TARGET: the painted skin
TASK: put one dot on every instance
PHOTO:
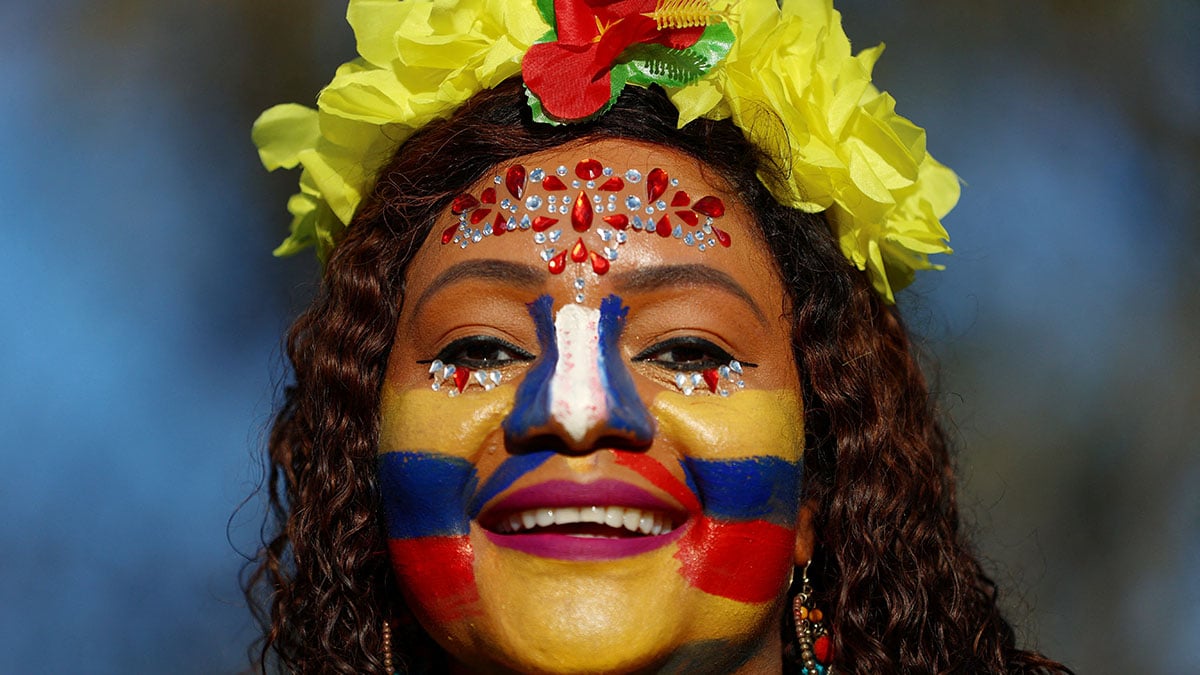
(720, 474)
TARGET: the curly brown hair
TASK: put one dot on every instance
(893, 569)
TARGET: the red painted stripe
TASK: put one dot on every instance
(438, 576)
(660, 477)
(743, 561)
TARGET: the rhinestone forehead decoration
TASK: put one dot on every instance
(598, 202)
(722, 381)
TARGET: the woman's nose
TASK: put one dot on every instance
(579, 396)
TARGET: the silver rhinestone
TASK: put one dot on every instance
(675, 182)
(622, 237)
(481, 377)
(597, 199)
(463, 243)
(612, 198)
(650, 225)
(610, 253)
(505, 203)
(575, 184)
(525, 222)
(547, 254)
(579, 297)
(579, 283)
(611, 207)
(712, 243)
(591, 185)
(607, 171)
(487, 230)
(512, 224)
(453, 393)
(496, 180)
(741, 384)
(649, 209)
(724, 392)
(662, 206)
(605, 235)
(555, 235)
(637, 222)
(688, 239)
(533, 202)
(435, 366)
(697, 379)
(552, 199)
(723, 372)
(633, 202)
(512, 208)
(539, 237)
(677, 232)
(700, 247)
(477, 237)
(448, 371)
(561, 170)
(537, 175)
(564, 209)
(707, 228)
(495, 376)
(435, 386)
(736, 367)
(633, 175)
(456, 240)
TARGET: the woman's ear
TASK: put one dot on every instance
(804, 533)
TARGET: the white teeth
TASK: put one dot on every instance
(616, 517)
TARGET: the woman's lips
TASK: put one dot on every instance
(600, 520)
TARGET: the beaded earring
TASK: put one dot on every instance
(812, 637)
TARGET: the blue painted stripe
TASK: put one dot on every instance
(508, 472)
(626, 411)
(756, 488)
(531, 407)
(425, 494)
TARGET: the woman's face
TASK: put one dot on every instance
(591, 428)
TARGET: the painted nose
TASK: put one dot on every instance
(579, 396)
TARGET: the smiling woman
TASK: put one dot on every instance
(612, 395)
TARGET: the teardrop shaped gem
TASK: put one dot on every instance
(663, 228)
(656, 184)
(614, 184)
(711, 379)
(579, 252)
(514, 180)
(463, 203)
(681, 198)
(688, 217)
(600, 264)
(488, 196)
(478, 215)
(823, 649)
(589, 169)
(500, 227)
(553, 183)
(448, 233)
(581, 213)
(710, 206)
(617, 220)
(461, 377)
(558, 263)
(722, 236)
(543, 223)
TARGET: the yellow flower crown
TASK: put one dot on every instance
(848, 151)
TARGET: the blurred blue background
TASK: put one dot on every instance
(143, 313)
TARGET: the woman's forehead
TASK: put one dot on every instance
(581, 220)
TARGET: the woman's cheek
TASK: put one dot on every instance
(427, 446)
(741, 456)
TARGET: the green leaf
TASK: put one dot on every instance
(546, 9)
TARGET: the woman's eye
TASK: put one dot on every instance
(480, 352)
(687, 354)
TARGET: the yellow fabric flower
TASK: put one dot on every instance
(790, 82)
(793, 86)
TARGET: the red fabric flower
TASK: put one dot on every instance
(571, 77)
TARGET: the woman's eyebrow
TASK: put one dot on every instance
(657, 276)
(518, 275)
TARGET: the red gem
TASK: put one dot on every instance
(599, 263)
(514, 180)
(461, 375)
(663, 228)
(688, 217)
(488, 196)
(614, 184)
(558, 263)
(710, 206)
(581, 213)
(722, 236)
(588, 169)
(681, 198)
(448, 233)
(553, 184)
(478, 215)
(823, 649)
(501, 225)
(656, 184)
(579, 252)
(463, 203)
(543, 223)
(617, 220)
(711, 379)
